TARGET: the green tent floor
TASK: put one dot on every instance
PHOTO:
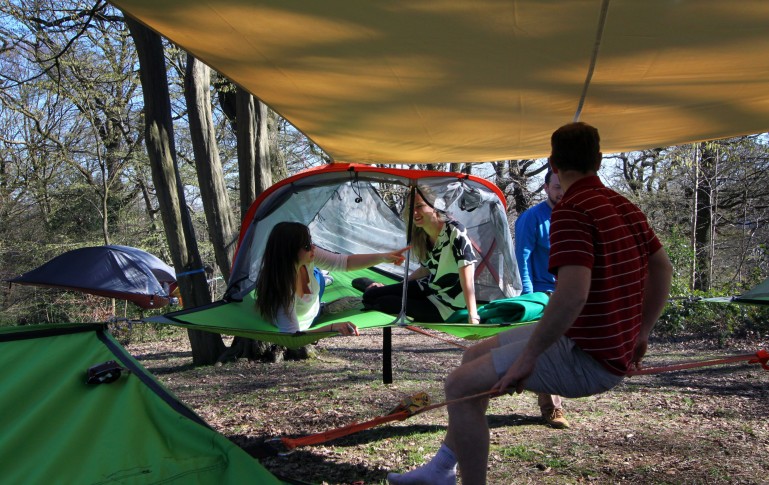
(241, 318)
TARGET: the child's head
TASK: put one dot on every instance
(287, 245)
(286, 241)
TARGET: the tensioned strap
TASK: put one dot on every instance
(760, 357)
(424, 332)
(194, 271)
(318, 438)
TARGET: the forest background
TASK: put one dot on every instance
(111, 135)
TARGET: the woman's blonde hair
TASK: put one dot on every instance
(420, 241)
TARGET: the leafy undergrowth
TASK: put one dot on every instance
(707, 425)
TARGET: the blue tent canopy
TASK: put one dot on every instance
(112, 271)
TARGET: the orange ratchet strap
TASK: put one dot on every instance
(760, 357)
(420, 403)
(410, 406)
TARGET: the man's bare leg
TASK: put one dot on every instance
(442, 468)
(468, 433)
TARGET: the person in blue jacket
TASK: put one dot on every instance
(532, 240)
(532, 251)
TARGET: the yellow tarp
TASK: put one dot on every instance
(441, 80)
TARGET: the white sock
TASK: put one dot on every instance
(441, 470)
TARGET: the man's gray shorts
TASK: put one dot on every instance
(563, 369)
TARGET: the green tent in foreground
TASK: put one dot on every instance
(57, 428)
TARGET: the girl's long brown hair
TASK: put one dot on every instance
(276, 283)
(420, 241)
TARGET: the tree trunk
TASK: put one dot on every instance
(213, 190)
(253, 148)
(177, 224)
(254, 158)
(704, 220)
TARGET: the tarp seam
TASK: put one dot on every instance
(593, 58)
(127, 360)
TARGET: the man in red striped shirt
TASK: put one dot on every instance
(613, 279)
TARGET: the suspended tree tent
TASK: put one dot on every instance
(112, 271)
(58, 428)
(463, 81)
(353, 209)
(758, 295)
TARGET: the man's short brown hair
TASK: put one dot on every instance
(576, 146)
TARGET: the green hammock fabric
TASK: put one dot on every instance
(59, 429)
(242, 319)
(342, 285)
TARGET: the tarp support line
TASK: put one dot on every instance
(409, 227)
(323, 437)
(593, 57)
(401, 320)
(355, 185)
(425, 332)
(760, 357)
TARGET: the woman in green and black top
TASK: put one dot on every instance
(445, 281)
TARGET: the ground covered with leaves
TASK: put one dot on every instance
(706, 425)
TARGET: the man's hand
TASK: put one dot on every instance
(516, 375)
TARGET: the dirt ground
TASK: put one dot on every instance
(707, 425)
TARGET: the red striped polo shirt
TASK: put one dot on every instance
(595, 227)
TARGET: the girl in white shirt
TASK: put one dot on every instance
(288, 289)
